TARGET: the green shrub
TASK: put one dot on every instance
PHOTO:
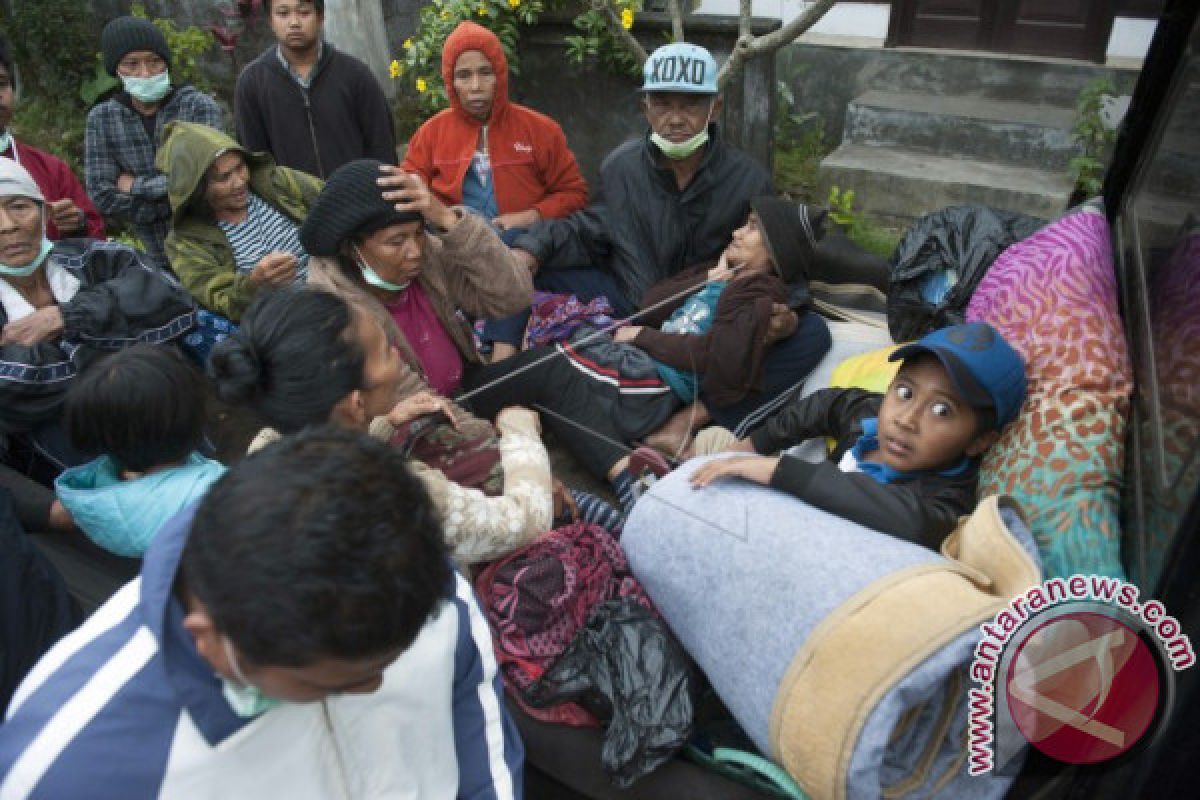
(1095, 140)
(55, 125)
(420, 65)
(53, 42)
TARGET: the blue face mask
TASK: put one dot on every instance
(246, 699)
(148, 90)
(372, 277)
(31, 267)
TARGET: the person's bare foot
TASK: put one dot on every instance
(502, 350)
(674, 438)
(59, 518)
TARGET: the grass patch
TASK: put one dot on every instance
(877, 239)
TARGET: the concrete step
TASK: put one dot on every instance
(1002, 131)
(994, 76)
(896, 186)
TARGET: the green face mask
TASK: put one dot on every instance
(246, 699)
(373, 278)
(148, 90)
(677, 151)
(31, 267)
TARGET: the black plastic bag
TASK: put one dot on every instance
(626, 667)
(954, 247)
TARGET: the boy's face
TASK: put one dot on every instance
(296, 23)
(923, 422)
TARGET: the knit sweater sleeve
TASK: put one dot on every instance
(479, 528)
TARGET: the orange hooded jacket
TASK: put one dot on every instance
(532, 167)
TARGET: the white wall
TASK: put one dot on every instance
(856, 21)
(866, 24)
(1130, 39)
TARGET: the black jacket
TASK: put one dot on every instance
(342, 116)
(641, 226)
(120, 302)
(923, 510)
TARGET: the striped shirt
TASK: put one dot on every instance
(264, 230)
(125, 707)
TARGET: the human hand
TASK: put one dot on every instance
(517, 219)
(525, 259)
(66, 216)
(627, 333)
(42, 325)
(752, 468)
(419, 405)
(409, 193)
(722, 271)
(782, 325)
(275, 269)
(125, 183)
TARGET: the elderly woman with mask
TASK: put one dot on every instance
(61, 306)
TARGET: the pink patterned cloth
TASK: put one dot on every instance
(554, 317)
(538, 598)
(1053, 296)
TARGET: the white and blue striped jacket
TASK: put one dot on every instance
(126, 708)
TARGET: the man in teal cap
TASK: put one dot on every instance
(668, 200)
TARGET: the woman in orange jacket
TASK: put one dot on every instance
(504, 160)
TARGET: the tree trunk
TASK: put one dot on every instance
(356, 26)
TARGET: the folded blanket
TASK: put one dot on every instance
(841, 651)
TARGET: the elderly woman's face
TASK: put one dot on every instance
(20, 230)
(395, 251)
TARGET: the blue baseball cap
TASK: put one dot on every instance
(680, 67)
(985, 369)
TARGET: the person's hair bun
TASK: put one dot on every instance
(236, 370)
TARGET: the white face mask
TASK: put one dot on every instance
(246, 699)
(6, 141)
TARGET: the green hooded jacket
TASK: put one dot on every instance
(199, 252)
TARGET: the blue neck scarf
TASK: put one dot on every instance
(882, 472)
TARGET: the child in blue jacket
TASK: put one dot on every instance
(142, 411)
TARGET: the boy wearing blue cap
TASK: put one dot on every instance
(907, 461)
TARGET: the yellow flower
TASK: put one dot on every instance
(627, 19)
(422, 86)
(514, 4)
(395, 69)
(445, 15)
(408, 44)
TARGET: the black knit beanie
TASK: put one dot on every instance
(350, 205)
(792, 231)
(126, 34)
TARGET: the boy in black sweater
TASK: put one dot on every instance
(907, 461)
